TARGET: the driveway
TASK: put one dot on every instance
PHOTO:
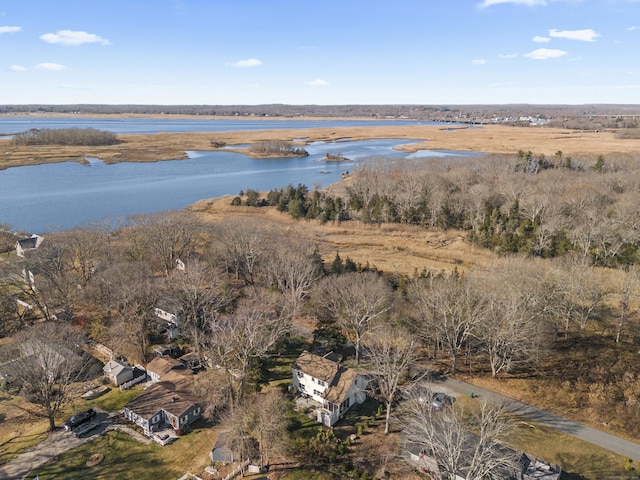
(59, 442)
(578, 430)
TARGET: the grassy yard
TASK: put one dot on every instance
(127, 459)
(23, 425)
(579, 459)
(112, 400)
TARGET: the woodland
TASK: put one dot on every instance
(553, 306)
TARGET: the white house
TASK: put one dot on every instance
(28, 244)
(117, 372)
(334, 388)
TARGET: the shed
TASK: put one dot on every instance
(118, 372)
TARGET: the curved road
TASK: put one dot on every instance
(59, 442)
(578, 430)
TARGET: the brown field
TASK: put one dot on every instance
(393, 248)
(488, 138)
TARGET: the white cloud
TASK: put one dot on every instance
(249, 62)
(632, 28)
(545, 54)
(17, 68)
(530, 3)
(318, 82)
(52, 67)
(72, 37)
(508, 55)
(479, 61)
(539, 39)
(7, 29)
(586, 35)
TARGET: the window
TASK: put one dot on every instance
(317, 392)
(321, 383)
(300, 374)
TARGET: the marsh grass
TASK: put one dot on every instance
(172, 146)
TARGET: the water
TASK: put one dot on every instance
(42, 198)
(17, 124)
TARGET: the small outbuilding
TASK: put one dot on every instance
(118, 372)
(28, 245)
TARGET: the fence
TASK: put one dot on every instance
(132, 382)
(237, 471)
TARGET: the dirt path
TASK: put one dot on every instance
(578, 430)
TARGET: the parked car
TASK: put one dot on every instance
(78, 419)
(426, 396)
(441, 400)
(84, 428)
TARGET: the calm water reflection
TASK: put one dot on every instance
(42, 198)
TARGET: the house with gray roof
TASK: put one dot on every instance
(118, 372)
(168, 404)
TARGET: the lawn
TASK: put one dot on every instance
(112, 400)
(579, 459)
(127, 459)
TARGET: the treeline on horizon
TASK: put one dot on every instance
(531, 204)
(564, 116)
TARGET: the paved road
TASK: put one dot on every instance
(578, 430)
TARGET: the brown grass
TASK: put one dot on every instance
(394, 248)
(488, 138)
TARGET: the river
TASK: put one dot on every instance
(53, 197)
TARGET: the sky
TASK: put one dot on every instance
(322, 52)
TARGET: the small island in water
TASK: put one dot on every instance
(330, 157)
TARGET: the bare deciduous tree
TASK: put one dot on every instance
(164, 239)
(449, 310)
(200, 295)
(213, 387)
(355, 300)
(519, 308)
(247, 334)
(293, 269)
(446, 438)
(50, 360)
(267, 422)
(241, 248)
(581, 292)
(390, 354)
(130, 296)
(628, 288)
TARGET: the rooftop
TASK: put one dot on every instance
(316, 366)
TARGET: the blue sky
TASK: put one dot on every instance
(320, 51)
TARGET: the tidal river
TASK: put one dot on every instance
(43, 198)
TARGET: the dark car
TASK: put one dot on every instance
(85, 428)
(79, 419)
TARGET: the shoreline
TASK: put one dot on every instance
(495, 139)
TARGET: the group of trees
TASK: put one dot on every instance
(531, 204)
(66, 136)
(277, 148)
(237, 287)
